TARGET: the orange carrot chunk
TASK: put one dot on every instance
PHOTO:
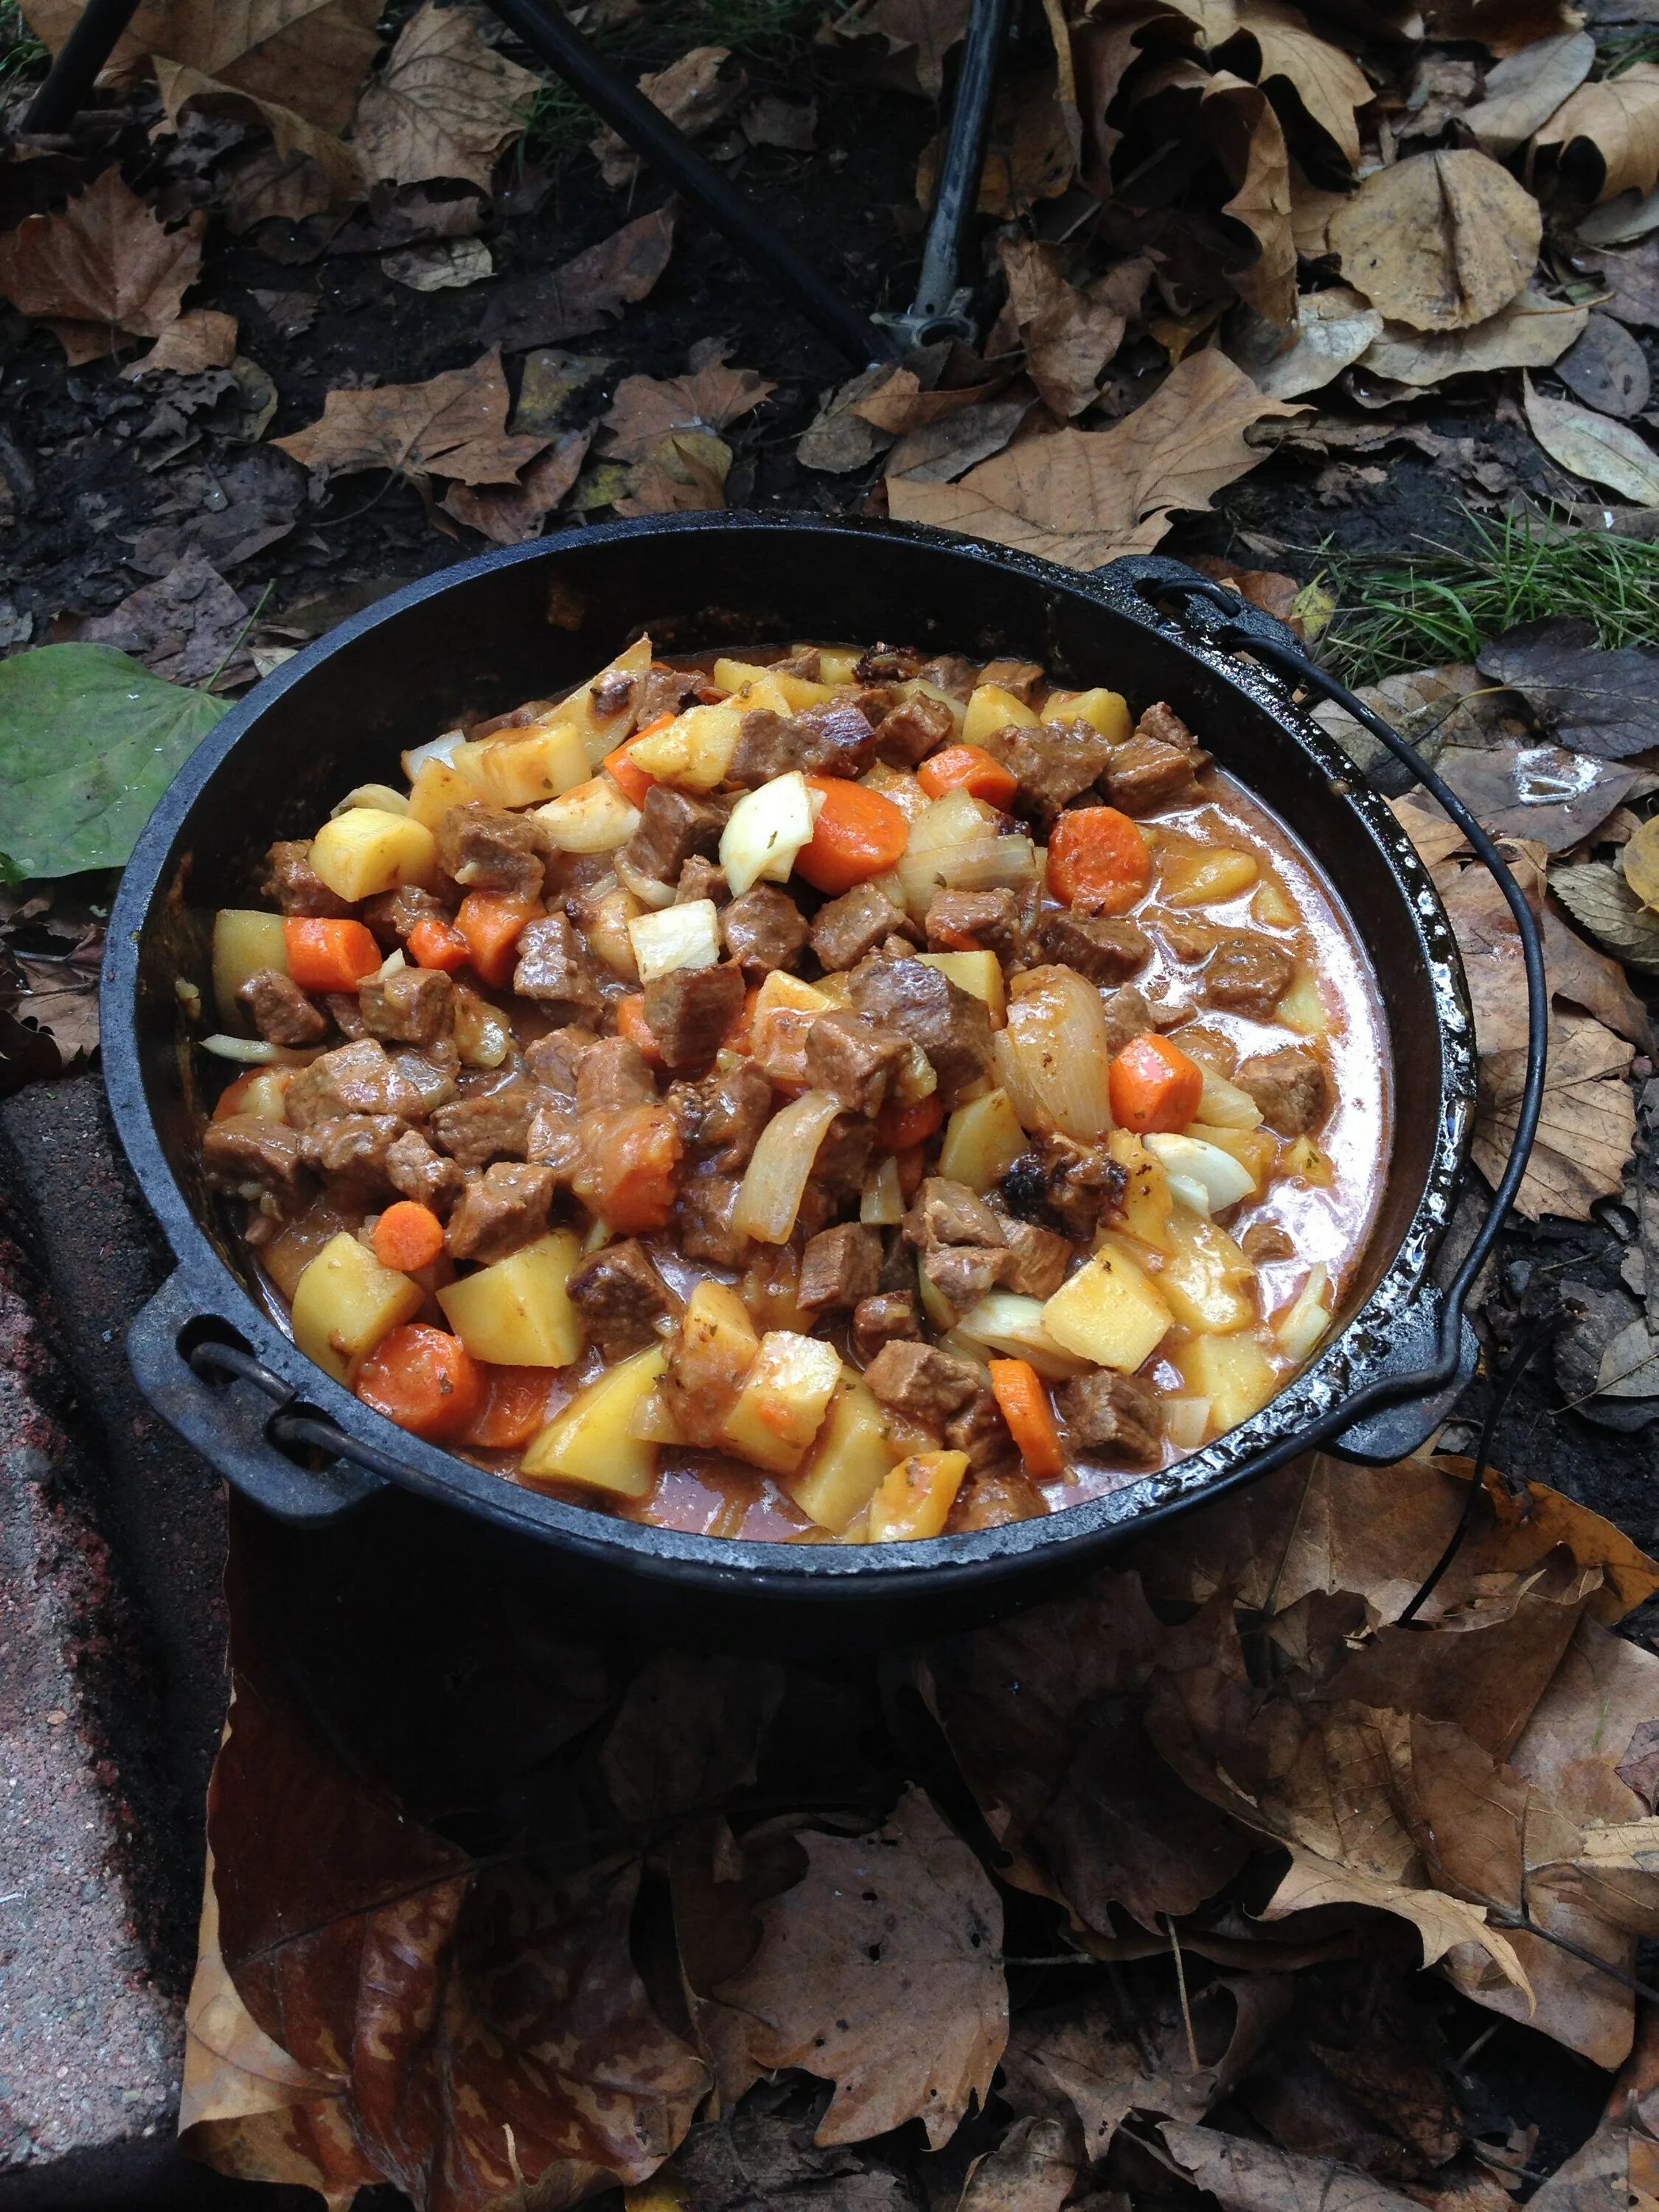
(1098, 860)
(328, 956)
(434, 944)
(632, 781)
(1153, 1087)
(970, 769)
(898, 1127)
(513, 1412)
(490, 921)
(628, 1179)
(858, 835)
(631, 1024)
(1018, 1388)
(408, 1237)
(423, 1379)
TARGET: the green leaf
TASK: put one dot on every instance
(89, 740)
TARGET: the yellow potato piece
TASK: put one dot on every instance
(438, 786)
(782, 1406)
(694, 750)
(1233, 1372)
(516, 1314)
(990, 709)
(850, 1460)
(1640, 862)
(592, 1442)
(979, 973)
(532, 765)
(1207, 1280)
(1110, 1312)
(1148, 1202)
(1105, 711)
(360, 854)
(983, 1140)
(1302, 1007)
(345, 1301)
(244, 942)
(914, 1500)
(1202, 877)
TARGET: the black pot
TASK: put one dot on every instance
(512, 625)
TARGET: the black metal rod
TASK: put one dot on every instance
(548, 31)
(80, 59)
(963, 162)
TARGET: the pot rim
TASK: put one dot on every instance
(802, 1572)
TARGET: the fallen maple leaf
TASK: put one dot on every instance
(305, 170)
(512, 514)
(1328, 84)
(1439, 240)
(1082, 497)
(683, 473)
(694, 93)
(1607, 133)
(1069, 334)
(1596, 701)
(647, 408)
(445, 105)
(201, 338)
(1531, 332)
(1245, 2176)
(1031, 2170)
(1587, 1129)
(927, 29)
(104, 270)
(584, 292)
(183, 628)
(453, 426)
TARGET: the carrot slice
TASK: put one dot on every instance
(632, 781)
(858, 835)
(423, 1379)
(408, 1237)
(328, 956)
(1018, 1388)
(1098, 860)
(491, 921)
(1153, 1087)
(898, 1127)
(628, 1179)
(434, 944)
(970, 769)
(515, 1411)
(631, 1024)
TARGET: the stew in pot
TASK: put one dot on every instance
(824, 1095)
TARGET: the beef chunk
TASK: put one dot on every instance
(346, 1013)
(855, 1060)
(411, 1005)
(887, 663)
(428, 1076)
(353, 1078)
(702, 879)
(923, 1382)
(1145, 773)
(1127, 1017)
(841, 1267)
(253, 1156)
(848, 929)
(689, 1010)
(979, 1431)
(394, 914)
(951, 1027)
(992, 1497)
(1247, 974)
(833, 740)
(352, 1151)
(722, 1117)
(1065, 1186)
(1188, 940)
(906, 733)
(1039, 1260)
(501, 1209)
(290, 881)
(1023, 678)
(807, 663)
(1166, 728)
(1054, 764)
(703, 1212)
(1266, 1240)
(489, 849)
(414, 1171)
(843, 1160)
(963, 1273)
(553, 1059)
(950, 672)
(556, 1137)
(889, 1317)
(556, 969)
(619, 1294)
(1105, 951)
(612, 692)
(967, 921)
(673, 825)
(1118, 1414)
(946, 1212)
(1291, 1086)
(665, 691)
(475, 1131)
(762, 930)
(520, 718)
(613, 1074)
(281, 1013)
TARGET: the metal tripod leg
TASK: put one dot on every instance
(80, 59)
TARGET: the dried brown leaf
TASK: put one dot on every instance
(1439, 240)
(1328, 84)
(103, 270)
(1531, 332)
(1028, 157)
(1606, 368)
(1069, 334)
(305, 170)
(512, 514)
(1523, 92)
(1619, 2164)
(1587, 1126)
(683, 473)
(184, 626)
(585, 292)
(1249, 143)
(1333, 330)
(1606, 134)
(1545, 792)
(201, 338)
(687, 1734)
(1595, 446)
(772, 120)
(694, 93)
(1597, 896)
(453, 426)
(1030, 2170)
(445, 105)
(1503, 26)
(942, 451)
(1244, 2176)
(647, 409)
(927, 29)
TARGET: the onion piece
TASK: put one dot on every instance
(882, 1204)
(443, 749)
(1299, 1327)
(1005, 1321)
(1223, 1105)
(257, 1052)
(649, 890)
(1054, 1057)
(394, 960)
(776, 1177)
(1216, 1177)
(1186, 1421)
(685, 936)
(989, 862)
(381, 796)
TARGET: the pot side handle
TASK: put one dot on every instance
(229, 1418)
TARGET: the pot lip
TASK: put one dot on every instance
(826, 1570)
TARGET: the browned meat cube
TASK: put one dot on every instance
(979, 1431)
(1188, 940)
(501, 1210)
(853, 1059)
(251, 1156)
(475, 1131)
(613, 1074)
(411, 1005)
(843, 1163)
(702, 879)
(923, 1382)
(807, 664)
(1162, 723)
(665, 691)
(1054, 764)
(619, 1294)
(555, 1135)
(290, 880)
(1040, 1257)
(889, 1317)
(520, 718)
(673, 825)
(690, 1010)
(1127, 1017)
(1105, 952)
(1291, 1086)
(1267, 1240)
(556, 969)
(430, 1076)
(886, 664)
(833, 740)
(951, 1027)
(346, 1014)
(1023, 677)
(721, 1118)
(703, 1214)
(962, 921)
(613, 691)
(394, 914)
(353, 1078)
(992, 1497)
(553, 1059)
(1145, 774)
(1247, 974)
(906, 733)
(762, 930)
(946, 1212)
(1064, 1185)
(950, 672)
(963, 1273)
(488, 849)
(839, 1267)
(414, 1171)
(352, 1152)
(846, 929)
(281, 1011)
(1117, 1414)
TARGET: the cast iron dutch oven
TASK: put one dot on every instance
(478, 638)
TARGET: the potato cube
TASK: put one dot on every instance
(717, 1346)
(850, 1460)
(990, 709)
(515, 1314)
(780, 1408)
(592, 1441)
(1105, 711)
(983, 1140)
(360, 854)
(694, 750)
(979, 973)
(532, 765)
(1302, 1007)
(593, 818)
(1147, 1200)
(244, 942)
(1233, 1372)
(676, 936)
(1200, 875)
(765, 830)
(345, 1301)
(1110, 1312)
(602, 733)
(1273, 905)
(914, 1500)
(439, 785)
(1208, 1281)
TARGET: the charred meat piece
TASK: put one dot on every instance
(946, 1212)
(411, 1005)
(1161, 723)
(1291, 1086)
(1053, 764)
(1127, 1017)
(414, 1171)
(1023, 677)
(553, 1059)
(703, 1212)
(889, 1317)
(1117, 1414)
(689, 1010)
(839, 1267)
(673, 825)
(394, 914)
(1065, 1186)
(352, 1151)
(848, 929)
(923, 1004)
(556, 968)
(1040, 1259)
(833, 740)
(923, 1382)
(253, 1156)
(853, 1059)
(289, 881)
(611, 1075)
(501, 1209)
(1105, 952)
(619, 1294)
(475, 1131)
(969, 921)
(281, 1011)
(762, 930)
(488, 849)
(887, 663)
(613, 691)
(906, 733)
(665, 691)
(353, 1078)
(721, 1117)
(1247, 974)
